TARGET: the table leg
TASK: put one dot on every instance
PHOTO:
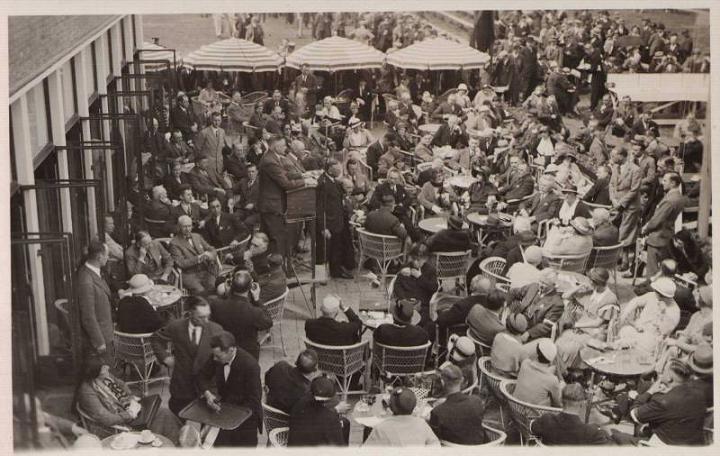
(590, 396)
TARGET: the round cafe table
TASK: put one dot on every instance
(627, 363)
(165, 299)
(370, 415)
(484, 230)
(164, 442)
(434, 224)
(375, 318)
(429, 128)
(461, 182)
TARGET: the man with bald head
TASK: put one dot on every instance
(479, 288)
(331, 328)
(545, 203)
(195, 257)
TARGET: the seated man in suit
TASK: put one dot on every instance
(605, 233)
(205, 180)
(541, 304)
(195, 257)
(459, 418)
(313, 421)
(233, 377)
(135, 314)
(402, 332)
(160, 211)
(188, 206)
(599, 193)
(483, 320)
(383, 220)
(287, 384)
(175, 181)
(451, 134)
(328, 329)
(521, 185)
(149, 257)
(453, 239)
(248, 191)
(223, 229)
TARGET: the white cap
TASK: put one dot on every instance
(462, 86)
(547, 348)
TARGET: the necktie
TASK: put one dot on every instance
(196, 336)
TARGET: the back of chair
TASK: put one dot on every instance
(493, 437)
(450, 265)
(342, 360)
(481, 349)
(274, 418)
(400, 360)
(279, 437)
(570, 263)
(492, 379)
(133, 348)
(275, 307)
(492, 267)
(522, 412)
(604, 257)
(378, 246)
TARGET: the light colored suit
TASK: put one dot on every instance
(94, 301)
(211, 144)
(198, 277)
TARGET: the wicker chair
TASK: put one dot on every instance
(605, 257)
(571, 263)
(278, 437)
(395, 362)
(135, 350)
(276, 308)
(492, 268)
(341, 360)
(493, 380)
(494, 436)
(383, 249)
(481, 349)
(523, 413)
(96, 428)
(274, 418)
(453, 265)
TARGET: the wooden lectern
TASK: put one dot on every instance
(301, 207)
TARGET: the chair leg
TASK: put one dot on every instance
(282, 338)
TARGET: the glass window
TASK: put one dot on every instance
(37, 118)
(110, 52)
(68, 92)
(122, 39)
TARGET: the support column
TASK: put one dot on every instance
(102, 72)
(83, 93)
(26, 176)
(57, 116)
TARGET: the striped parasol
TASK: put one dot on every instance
(335, 54)
(152, 51)
(235, 55)
(438, 54)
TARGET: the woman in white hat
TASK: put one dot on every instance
(658, 316)
(356, 135)
(461, 97)
(135, 313)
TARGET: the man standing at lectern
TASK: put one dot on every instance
(274, 183)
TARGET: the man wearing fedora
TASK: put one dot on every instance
(454, 238)
(135, 314)
(313, 422)
(402, 332)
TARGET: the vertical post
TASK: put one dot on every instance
(705, 179)
(26, 176)
(88, 155)
(102, 72)
(57, 116)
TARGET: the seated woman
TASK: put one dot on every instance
(568, 170)
(588, 319)
(361, 183)
(107, 400)
(356, 135)
(436, 195)
(698, 331)
(575, 239)
(210, 99)
(482, 191)
(417, 279)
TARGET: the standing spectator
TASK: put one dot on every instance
(307, 80)
(183, 118)
(232, 377)
(255, 33)
(190, 337)
(95, 304)
(210, 142)
(625, 198)
(333, 236)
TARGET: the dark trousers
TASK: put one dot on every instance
(274, 226)
(340, 252)
(244, 436)
(176, 404)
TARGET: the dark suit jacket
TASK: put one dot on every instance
(568, 429)
(274, 183)
(537, 309)
(543, 206)
(599, 193)
(163, 262)
(459, 419)
(457, 314)
(206, 183)
(286, 386)
(400, 336)
(236, 167)
(381, 221)
(95, 304)
(173, 186)
(327, 331)
(242, 386)
(135, 315)
(270, 104)
(330, 213)
(374, 152)
(457, 138)
(189, 359)
(661, 227)
(243, 320)
(183, 120)
(179, 150)
(231, 228)
(248, 193)
(605, 235)
(195, 212)
(450, 241)
(519, 187)
(401, 196)
(312, 423)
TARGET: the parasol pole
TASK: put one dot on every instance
(705, 181)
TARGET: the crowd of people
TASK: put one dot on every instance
(209, 216)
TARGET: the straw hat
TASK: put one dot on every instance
(701, 361)
(664, 286)
(139, 284)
